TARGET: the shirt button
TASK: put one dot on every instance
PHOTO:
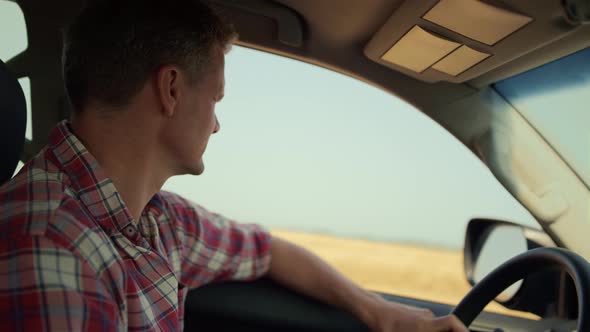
(129, 231)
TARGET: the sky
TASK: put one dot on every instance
(304, 148)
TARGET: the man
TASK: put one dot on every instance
(90, 240)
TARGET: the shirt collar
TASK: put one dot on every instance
(95, 190)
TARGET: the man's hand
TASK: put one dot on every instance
(390, 317)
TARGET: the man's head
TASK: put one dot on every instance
(165, 56)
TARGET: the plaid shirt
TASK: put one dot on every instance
(72, 258)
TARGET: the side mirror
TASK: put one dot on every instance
(498, 245)
(490, 243)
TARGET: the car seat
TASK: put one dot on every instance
(13, 122)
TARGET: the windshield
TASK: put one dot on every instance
(554, 99)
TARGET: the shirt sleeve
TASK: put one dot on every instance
(215, 248)
(44, 287)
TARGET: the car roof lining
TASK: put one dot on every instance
(342, 49)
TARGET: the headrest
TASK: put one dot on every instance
(13, 123)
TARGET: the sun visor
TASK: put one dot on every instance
(476, 19)
(459, 40)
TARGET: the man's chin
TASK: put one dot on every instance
(198, 169)
(193, 169)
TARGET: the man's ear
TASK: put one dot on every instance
(168, 88)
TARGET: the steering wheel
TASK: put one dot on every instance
(519, 267)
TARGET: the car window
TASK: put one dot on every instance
(554, 99)
(349, 171)
(13, 32)
(14, 41)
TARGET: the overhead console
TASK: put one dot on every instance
(458, 40)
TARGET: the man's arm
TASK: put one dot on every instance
(300, 270)
(216, 249)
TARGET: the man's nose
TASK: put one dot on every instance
(217, 126)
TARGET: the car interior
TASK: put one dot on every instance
(445, 57)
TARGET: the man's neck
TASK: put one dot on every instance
(126, 154)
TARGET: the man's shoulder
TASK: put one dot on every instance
(38, 180)
(32, 199)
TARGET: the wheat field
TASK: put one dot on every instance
(430, 274)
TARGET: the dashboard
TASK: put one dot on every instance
(265, 306)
